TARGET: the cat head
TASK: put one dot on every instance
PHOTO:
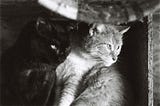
(55, 35)
(104, 43)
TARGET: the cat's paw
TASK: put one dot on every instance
(36, 82)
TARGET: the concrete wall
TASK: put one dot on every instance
(156, 58)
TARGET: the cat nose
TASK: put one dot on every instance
(114, 58)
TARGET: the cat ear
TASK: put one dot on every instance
(93, 28)
(100, 27)
(91, 32)
(43, 26)
(124, 30)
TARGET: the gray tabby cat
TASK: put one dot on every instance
(104, 86)
(96, 50)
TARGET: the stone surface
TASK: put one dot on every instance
(107, 11)
(156, 58)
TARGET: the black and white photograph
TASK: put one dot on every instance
(79, 53)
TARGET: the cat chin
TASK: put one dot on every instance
(107, 64)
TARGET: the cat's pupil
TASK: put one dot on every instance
(118, 47)
(109, 46)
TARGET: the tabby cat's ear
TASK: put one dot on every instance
(92, 29)
(43, 26)
(122, 29)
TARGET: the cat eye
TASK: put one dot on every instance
(53, 47)
(118, 47)
(109, 46)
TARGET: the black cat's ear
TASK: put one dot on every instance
(43, 27)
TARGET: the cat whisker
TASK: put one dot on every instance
(121, 60)
(100, 53)
(118, 61)
(98, 59)
(120, 57)
(125, 37)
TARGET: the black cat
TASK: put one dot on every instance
(28, 68)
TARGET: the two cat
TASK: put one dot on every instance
(86, 77)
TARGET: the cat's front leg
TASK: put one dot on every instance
(69, 92)
(66, 100)
(57, 95)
